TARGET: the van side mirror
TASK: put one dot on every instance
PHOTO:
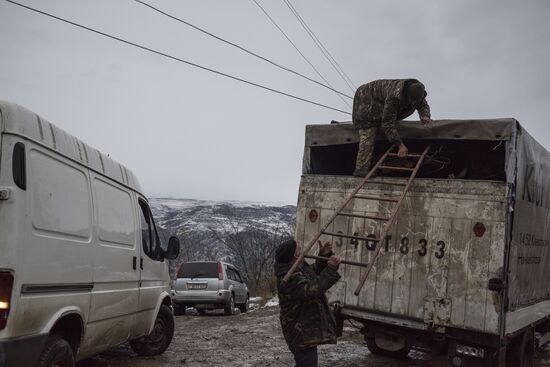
(173, 250)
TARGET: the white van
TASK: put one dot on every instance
(82, 268)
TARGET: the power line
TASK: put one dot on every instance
(321, 47)
(239, 47)
(296, 47)
(176, 58)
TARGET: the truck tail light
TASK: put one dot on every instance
(6, 286)
(479, 229)
(220, 270)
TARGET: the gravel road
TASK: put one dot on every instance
(252, 339)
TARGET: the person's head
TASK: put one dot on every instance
(286, 251)
(416, 91)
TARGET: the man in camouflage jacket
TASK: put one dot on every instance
(306, 319)
(379, 104)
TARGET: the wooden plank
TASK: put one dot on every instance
(476, 290)
(402, 260)
(458, 267)
(420, 265)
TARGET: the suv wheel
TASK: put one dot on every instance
(160, 338)
(228, 309)
(56, 353)
(245, 306)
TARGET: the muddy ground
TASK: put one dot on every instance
(252, 339)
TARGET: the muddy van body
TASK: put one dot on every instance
(465, 269)
(82, 268)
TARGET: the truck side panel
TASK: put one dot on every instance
(432, 269)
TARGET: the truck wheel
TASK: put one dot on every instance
(245, 306)
(375, 349)
(161, 336)
(56, 353)
(521, 352)
(228, 310)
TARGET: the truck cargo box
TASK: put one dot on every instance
(468, 256)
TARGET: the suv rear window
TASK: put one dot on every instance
(198, 270)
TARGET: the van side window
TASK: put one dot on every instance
(19, 166)
(149, 237)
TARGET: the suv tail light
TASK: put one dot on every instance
(220, 270)
(6, 286)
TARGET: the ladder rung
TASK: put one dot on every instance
(347, 262)
(397, 168)
(407, 156)
(387, 183)
(374, 198)
(350, 236)
(363, 216)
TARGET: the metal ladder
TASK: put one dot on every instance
(380, 165)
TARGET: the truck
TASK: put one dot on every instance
(464, 270)
(82, 265)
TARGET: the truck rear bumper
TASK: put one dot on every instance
(23, 351)
(463, 347)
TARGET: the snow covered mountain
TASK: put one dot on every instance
(203, 225)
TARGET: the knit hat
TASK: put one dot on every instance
(285, 251)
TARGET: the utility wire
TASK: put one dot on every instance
(297, 49)
(321, 47)
(176, 58)
(239, 47)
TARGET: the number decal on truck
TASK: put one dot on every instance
(354, 241)
(441, 252)
(387, 244)
(339, 242)
(371, 245)
(404, 248)
(423, 247)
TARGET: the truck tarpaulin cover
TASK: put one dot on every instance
(527, 171)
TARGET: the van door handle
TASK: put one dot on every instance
(134, 262)
(141, 263)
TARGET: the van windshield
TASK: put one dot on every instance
(199, 270)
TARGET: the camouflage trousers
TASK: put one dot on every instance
(367, 138)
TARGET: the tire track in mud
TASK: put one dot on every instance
(252, 340)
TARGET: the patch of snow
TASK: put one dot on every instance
(255, 299)
(272, 302)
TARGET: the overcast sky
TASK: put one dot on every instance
(189, 133)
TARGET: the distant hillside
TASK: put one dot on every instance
(203, 225)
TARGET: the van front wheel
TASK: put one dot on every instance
(161, 336)
(56, 353)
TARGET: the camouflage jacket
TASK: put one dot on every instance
(383, 101)
(306, 318)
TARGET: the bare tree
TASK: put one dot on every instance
(251, 247)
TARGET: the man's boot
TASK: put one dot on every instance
(361, 172)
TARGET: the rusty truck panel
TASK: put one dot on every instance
(433, 270)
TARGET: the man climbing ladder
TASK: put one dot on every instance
(379, 104)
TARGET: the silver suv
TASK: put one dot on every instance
(209, 285)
